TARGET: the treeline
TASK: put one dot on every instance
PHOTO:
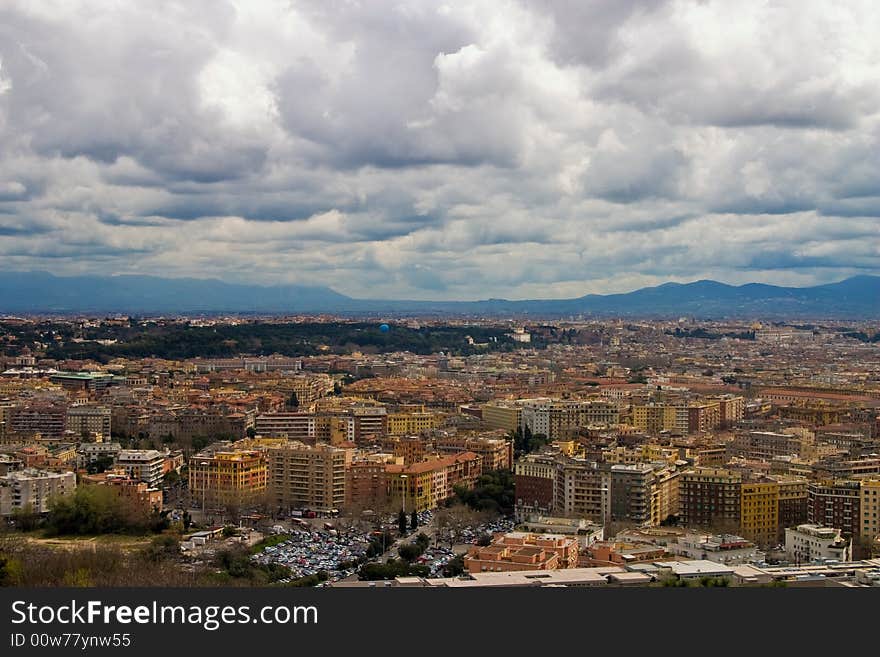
(223, 341)
(493, 492)
(709, 335)
(861, 336)
(93, 510)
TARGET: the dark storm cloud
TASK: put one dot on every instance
(476, 149)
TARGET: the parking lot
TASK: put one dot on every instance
(309, 552)
(472, 534)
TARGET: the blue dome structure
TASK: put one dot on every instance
(384, 328)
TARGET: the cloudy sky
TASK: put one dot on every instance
(427, 150)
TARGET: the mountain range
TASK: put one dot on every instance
(41, 292)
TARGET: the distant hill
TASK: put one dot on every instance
(43, 292)
(34, 292)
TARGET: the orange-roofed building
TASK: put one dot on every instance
(523, 551)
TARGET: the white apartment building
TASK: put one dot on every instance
(807, 543)
(32, 489)
(88, 453)
(142, 464)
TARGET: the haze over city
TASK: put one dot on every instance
(413, 150)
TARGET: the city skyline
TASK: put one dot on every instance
(481, 150)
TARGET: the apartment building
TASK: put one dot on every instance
(869, 503)
(411, 449)
(47, 419)
(702, 416)
(664, 495)
(502, 415)
(426, 485)
(147, 465)
(792, 502)
(767, 445)
(227, 477)
(731, 409)
(89, 382)
(293, 426)
(534, 477)
(759, 512)
(811, 542)
(412, 422)
(32, 489)
(366, 481)
(643, 494)
(308, 476)
(370, 423)
(835, 503)
(559, 419)
(139, 494)
(654, 418)
(308, 388)
(308, 428)
(89, 420)
(679, 418)
(582, 489)
(88, 453)
(710, 497)
(496, 453)
(631, 493)
(233, 423)
(5, 408)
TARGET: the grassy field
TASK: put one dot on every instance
(121, 541)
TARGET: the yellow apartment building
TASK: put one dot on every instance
(502, 416)
(227, 478)
(870, 508)
(759, 512)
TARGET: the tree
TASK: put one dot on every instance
(454, 567)
(251, 432)
(8, 571)
(414, 521)
(493, 492)
(409, 552)
(162, 547)
(99, 465)
(401, 522)
(99, 510)
(25, 519)
(525, 442)
(199, 443)
(293, 401)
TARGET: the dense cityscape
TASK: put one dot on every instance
(438, 452)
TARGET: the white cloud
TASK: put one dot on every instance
(415, 150)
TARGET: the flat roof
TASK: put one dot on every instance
(561, 577)
(630, 578)
(696, 567)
